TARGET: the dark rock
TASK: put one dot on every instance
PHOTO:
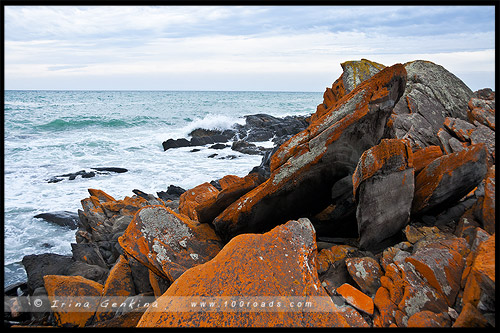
(194, 150)
(218, 146)
(37, 266)
(383, 187)
(140, 276)
(173, 193)
(175, 143)
(88, 253)
(212, 155)
(247, 148)
(112, 169)
(62, 218)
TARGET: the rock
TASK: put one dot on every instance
(383, 186)
(386, 308)
(441, 267)
(305, 168)
(175, 143)
(485, 211)
(247, 148)
(423, 157)
(72, 290)
(218, 146)
(198, 195)
(470, 317)
(39, 265)
(158, 283)
(209, 209)
(366, 272)
(355, 72)
(460, 128)
(429, 319)
(484, 134)
(173, 193)
(418, 294)
(481, 108)
(111, 169)
(432, 93)
(118, 287)
(140, 276)
(168, 243)
(356, 298)
(275, 266)
(88, 253)
(413, 234)
(63, 218)
(480, 285)
(449, 178)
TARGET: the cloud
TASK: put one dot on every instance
(64, 42)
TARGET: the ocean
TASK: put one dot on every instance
(50, 133)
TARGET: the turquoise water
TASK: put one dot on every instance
(49, 133)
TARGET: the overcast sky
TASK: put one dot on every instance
(280, 48)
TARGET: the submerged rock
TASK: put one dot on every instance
(63, 218)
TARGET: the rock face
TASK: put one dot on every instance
(305, 168)
(168, 243)
(279, 263)
(384, 174)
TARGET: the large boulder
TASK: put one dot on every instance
(278, 266)
(448, 179)
(383, 186)
(432, 93)
(168, 243)
(305, 168)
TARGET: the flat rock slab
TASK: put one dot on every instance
(63, 218)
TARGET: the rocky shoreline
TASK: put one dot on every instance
(378, 210)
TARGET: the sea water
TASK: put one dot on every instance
(50, 133)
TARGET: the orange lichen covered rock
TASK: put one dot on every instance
(429, 319)
(330, 97)
(279, 263)
(486, 204)
(470, 317)
(328, 256)
(461, 128)
(386, 308)
(304, 168)
(119, 285)
(231, 191)
(480, 284)
(366, 272)
(356, 298)
(442, 268)
(482, 109)
(448, 178)
(168, 243)
(423, 157)
(79, 295)
(191, 199)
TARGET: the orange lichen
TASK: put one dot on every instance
(192, 198)
(356, 298)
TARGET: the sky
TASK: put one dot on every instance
(253, 48)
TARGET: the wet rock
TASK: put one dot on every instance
(168, 243)
(279, 263)
(173, 193)
(175, 143)
(449, 178)
(247, 148)
(383, 186)
(305, 168)
(62, 218)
